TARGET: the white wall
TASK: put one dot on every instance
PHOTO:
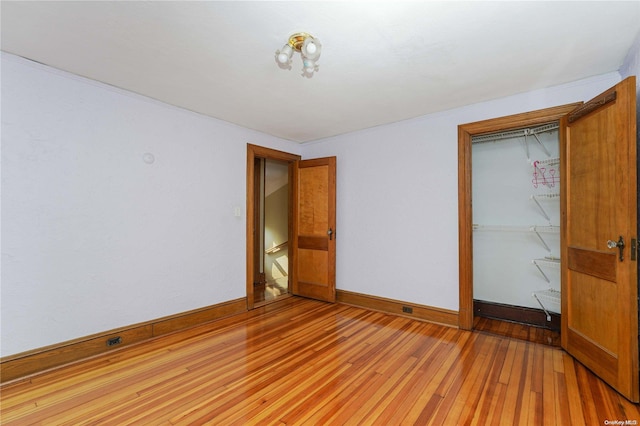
(503, 182)
(94, 238)
(631, 64)
(276, 232)
(397, 201)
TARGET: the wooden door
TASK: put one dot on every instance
(599, 287)
(314, 230)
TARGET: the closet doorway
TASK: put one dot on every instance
(269, 227)
(466, 135)
(598, 229)
(516, 227)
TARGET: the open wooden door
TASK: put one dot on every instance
(314, 229)
(599, 213)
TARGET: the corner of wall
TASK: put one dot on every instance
(631, 64)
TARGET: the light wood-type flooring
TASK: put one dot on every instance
(517, 331)
(299, 361)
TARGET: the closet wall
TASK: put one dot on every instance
(516, 216)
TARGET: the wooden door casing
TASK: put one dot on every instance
(465, 214)
(254, 152)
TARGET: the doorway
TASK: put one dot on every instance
(598, 204)
(466, 133)
(311, 228)
(269, 227)
(516, 224)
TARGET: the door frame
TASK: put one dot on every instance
(465, 214)
(253, 152)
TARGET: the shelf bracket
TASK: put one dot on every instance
(544, 213)
(541, 271)
(542, 240)
(543, 308)
(544, 148)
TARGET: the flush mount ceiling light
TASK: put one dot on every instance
(309, 48)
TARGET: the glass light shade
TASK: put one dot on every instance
(311, 48)
(284, 56)
(308, 66)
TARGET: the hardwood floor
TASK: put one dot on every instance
(263, 292)
(299, 361)
(517, 331)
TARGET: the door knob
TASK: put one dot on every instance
(620, 244)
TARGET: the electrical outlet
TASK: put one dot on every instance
(114, 341)
(407, 309)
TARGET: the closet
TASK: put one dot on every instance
(516, 225)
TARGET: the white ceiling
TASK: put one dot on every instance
(381, 61)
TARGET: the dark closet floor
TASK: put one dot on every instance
(517, 331)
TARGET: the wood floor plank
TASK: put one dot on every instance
(574, 403)
(466, 402)
(452, 384)
(510, 406)
(508, 363)
(389, 376)
(399, 397)
(537, 379)
(549, 389)
(494, 415)
(413, 390)
(535, 409)
(334, 393)
(389, 359)
(527, 386)
(423, 409)
(305, 362)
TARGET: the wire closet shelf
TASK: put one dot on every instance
(545, 175)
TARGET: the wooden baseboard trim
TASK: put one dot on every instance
(37, 360)
(397, 307)
(519, 314)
